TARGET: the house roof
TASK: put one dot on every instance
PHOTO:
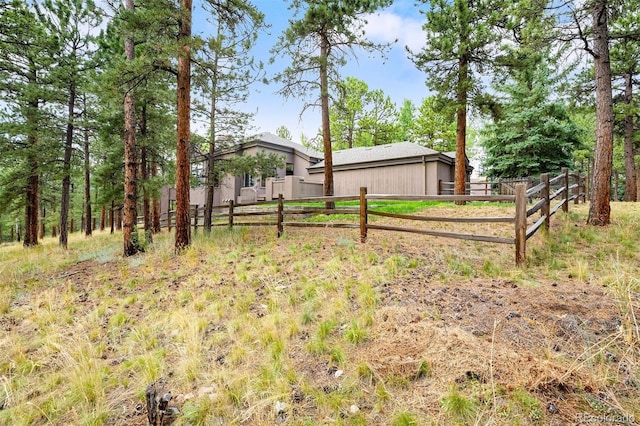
(272, 139)
(372, 154)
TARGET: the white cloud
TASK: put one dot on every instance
(386, 27)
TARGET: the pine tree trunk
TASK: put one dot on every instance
(208, 206)
(630, 190)
(461, 122)
(42, 218)
(31, 209)
(119, 219)
(146, 207)
(130, 164)
(112, 218)
(156, 203)
(32, 190)
(600, 208)
(66, 168)
(183, 169)
(87, 177)
(326, 125)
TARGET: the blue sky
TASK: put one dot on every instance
(396, 75)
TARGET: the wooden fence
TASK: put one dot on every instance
(550, 195)
(500, 186)
(490, 187)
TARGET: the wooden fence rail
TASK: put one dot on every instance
(547, 197)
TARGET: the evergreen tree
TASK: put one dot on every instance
(600, 207)
(318, 43)
(284, 132)
(28, 51)
(130, 223)
(183, 168)
(625, 63)
(378, 125)
(71, 23)
(225, 71)
(405, 120)
(535, 134)
(435, 125)
(460, 38)
(532, 133)
(347, 111)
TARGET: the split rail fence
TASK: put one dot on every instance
(547, 197)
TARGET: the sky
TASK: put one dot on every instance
(396, 75)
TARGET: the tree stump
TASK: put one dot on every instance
(158, 403)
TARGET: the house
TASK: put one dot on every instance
(399, 168)
(247, 188)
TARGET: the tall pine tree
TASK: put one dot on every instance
(460, 40)
(318, 42)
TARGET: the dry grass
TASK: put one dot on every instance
(315, 328)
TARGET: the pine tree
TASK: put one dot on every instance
(130, 223)
(318, 43)
(406, 121)
(378, 125)
(347, 111)
(600, 207)
(625, 63)
(183, 168)
(225, 71)
(71, 23)
(535, 134)
(435, 125)
(460, 38)
(25, 83)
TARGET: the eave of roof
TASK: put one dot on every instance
(274, 142)
(374, 156)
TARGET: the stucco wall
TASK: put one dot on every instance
(292, 187)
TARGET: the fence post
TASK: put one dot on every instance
(363, 214)
(280, 215)
(576, 190)
(169, 220)
(521, 223)
(565, 206)
(544, 194)
(230, 213)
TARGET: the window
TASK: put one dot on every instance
(289, 169)
(247, 180)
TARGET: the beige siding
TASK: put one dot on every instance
(300, 166)
(403, 179)
(446, 172)
(432, 178)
